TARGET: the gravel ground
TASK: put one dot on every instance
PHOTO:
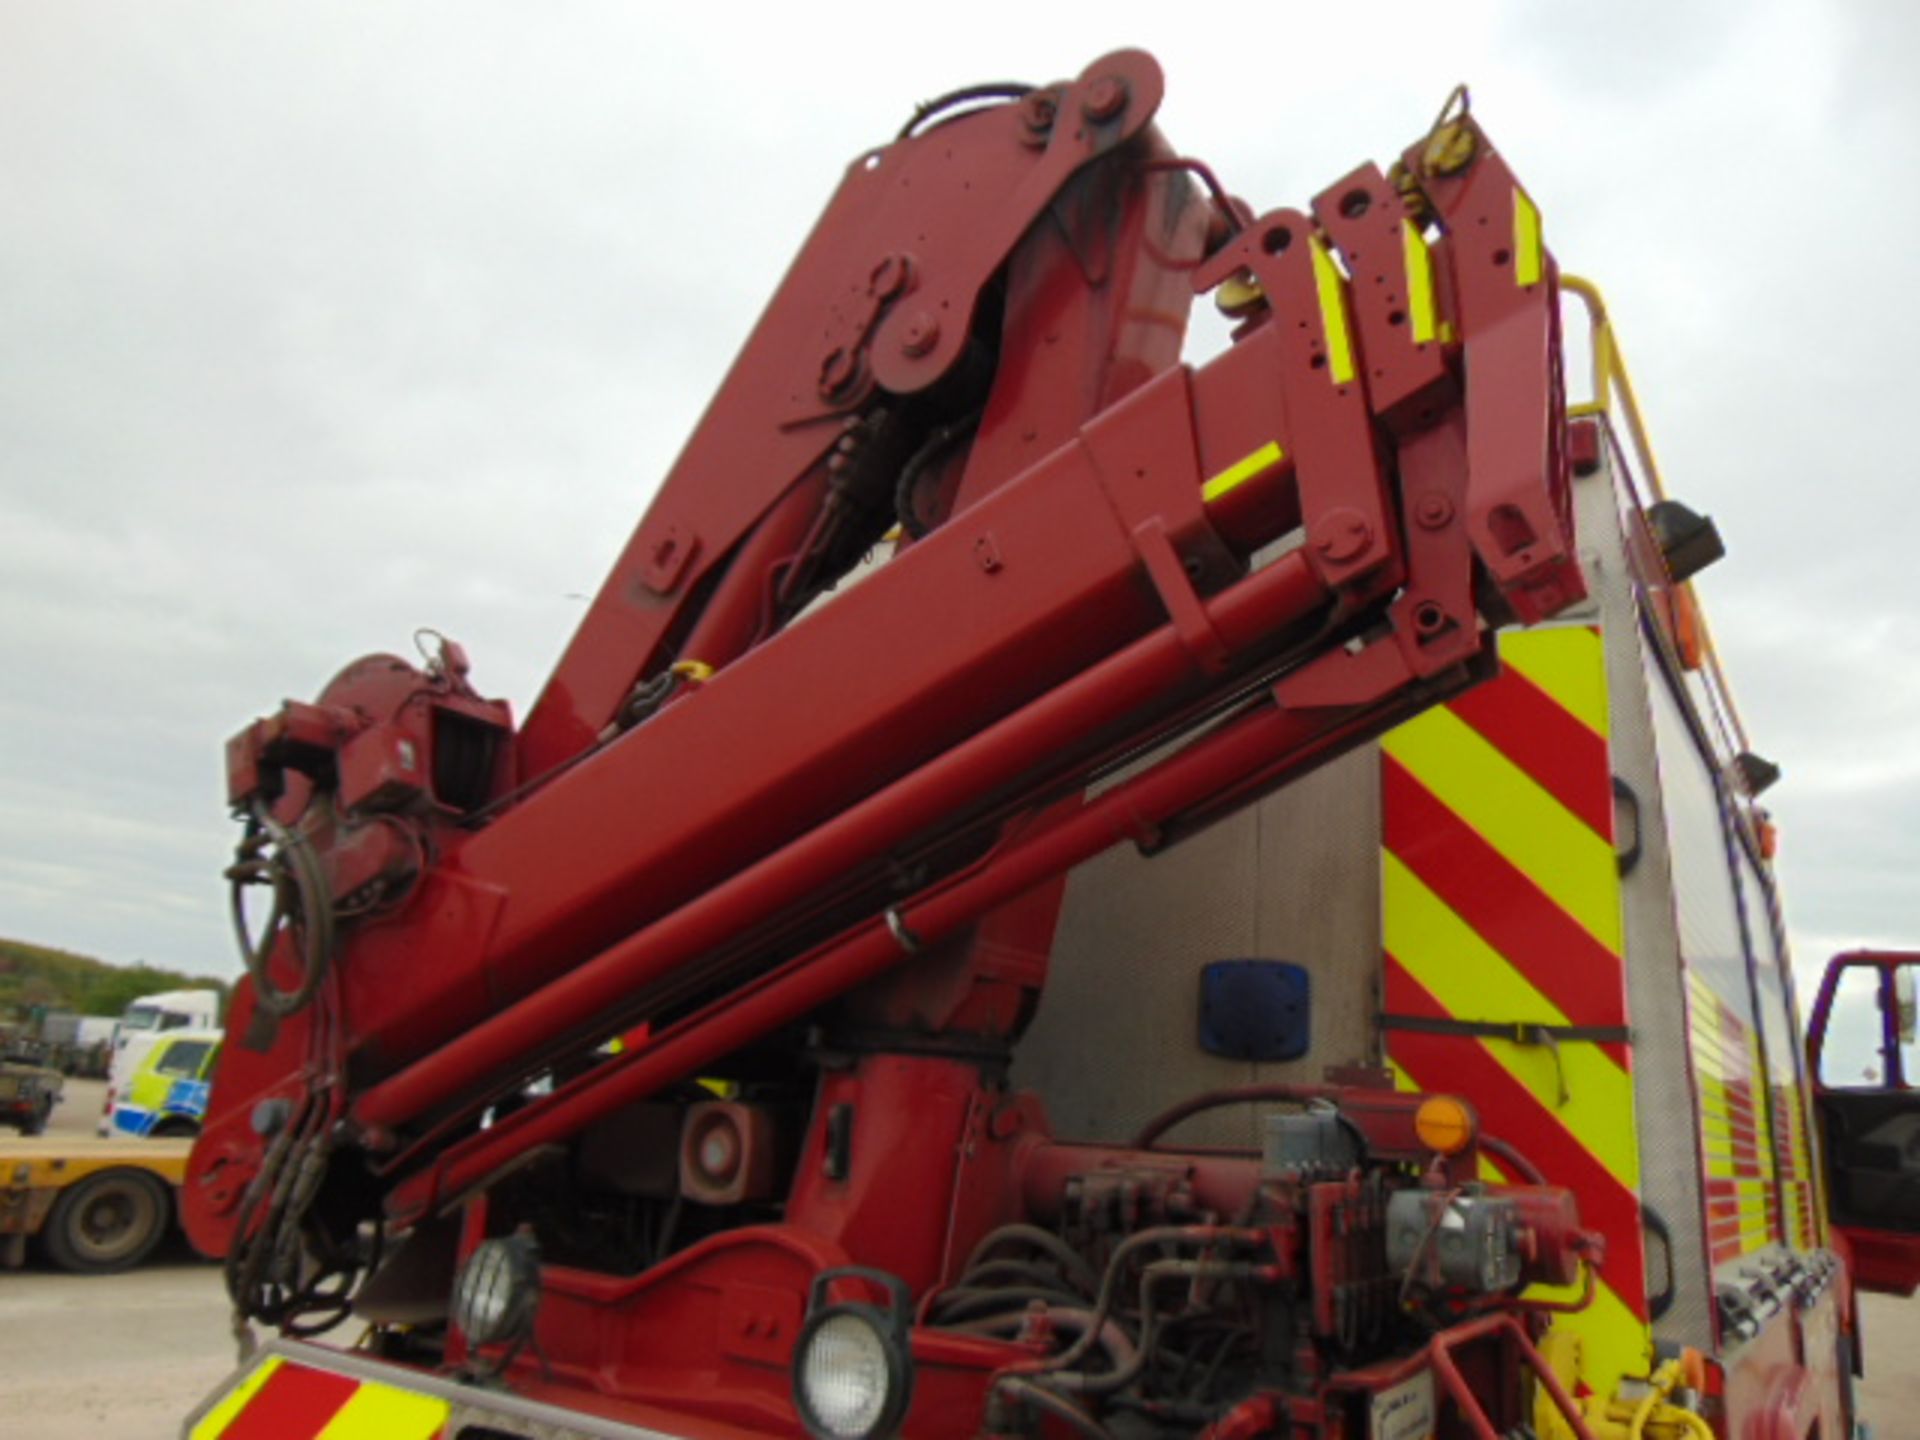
(111, 1355)
(125, 1356)
(89, 1356)
(128, 1355)
(1891, 1392)
(79, 1108)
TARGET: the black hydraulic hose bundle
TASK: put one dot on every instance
(302, 905)
(1018, 1266)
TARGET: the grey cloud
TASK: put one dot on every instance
(318, 324)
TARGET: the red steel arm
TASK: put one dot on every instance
(723, 813)
(883, 293)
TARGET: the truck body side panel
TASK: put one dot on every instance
(1802, 1212)
(1292, 878)
(1725, 1135)
(1680, 1304)
(1724, 1037)
(1780, 1340)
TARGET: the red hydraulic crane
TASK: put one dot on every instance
(799, 842)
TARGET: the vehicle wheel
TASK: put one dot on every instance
(174, 1129)
(34, 1124)
(106, 1222)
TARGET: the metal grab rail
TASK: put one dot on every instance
(1611, 377)
(1437, 1356)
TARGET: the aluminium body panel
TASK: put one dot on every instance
(1666, 1112)
(1736, 1142)
(1727, 1150)
(1294, 877)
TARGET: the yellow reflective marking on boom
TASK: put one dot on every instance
(1473, 981)
(1420, 312)
(386, 1412)
(216, 1420)
(1333, 314)
(1527, 264)
(1514, 814)
(1243, 470)
(1569, 663)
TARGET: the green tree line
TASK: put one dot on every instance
(33, 975)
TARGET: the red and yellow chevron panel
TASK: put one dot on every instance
(1736, 1138)
(281, 1399)
(1501, 903)
(1796, 1167)
(1800, 1202)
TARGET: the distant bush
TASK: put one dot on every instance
(38, 975)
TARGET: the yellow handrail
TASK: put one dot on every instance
(1610, 376)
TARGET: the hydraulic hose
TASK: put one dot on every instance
(302, 905)
(1218, 1099)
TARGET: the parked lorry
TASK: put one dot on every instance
(90, 1056)
(1251, 919)
(75, 1045)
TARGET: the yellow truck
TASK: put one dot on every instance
(97, 1205)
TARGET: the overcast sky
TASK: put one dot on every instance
(319, 323)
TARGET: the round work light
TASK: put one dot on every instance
(852, 1372)
(498, 1291)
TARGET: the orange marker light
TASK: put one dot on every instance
(1444, 1124)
